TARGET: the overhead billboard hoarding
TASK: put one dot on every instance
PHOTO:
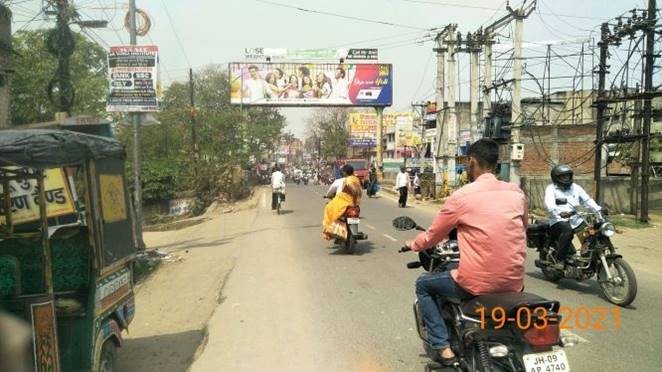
(133, 75)
(311, 84)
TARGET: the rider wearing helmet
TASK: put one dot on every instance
(562, 198)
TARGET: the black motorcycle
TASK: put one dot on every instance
(597, 257)
(498, 332)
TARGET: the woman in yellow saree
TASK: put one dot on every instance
(348, 197)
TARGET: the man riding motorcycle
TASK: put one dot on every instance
(277, 186)
(491, 218)
(561, 199)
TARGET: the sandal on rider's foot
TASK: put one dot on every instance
(447, 362)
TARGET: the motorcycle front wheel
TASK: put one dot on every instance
(548, 272)
(622, 289)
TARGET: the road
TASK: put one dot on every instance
(294, 303)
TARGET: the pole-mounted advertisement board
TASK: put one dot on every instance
(133, 75)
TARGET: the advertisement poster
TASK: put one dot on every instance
(25, 197)
(311, 84)
(133, 75)
(362, 130)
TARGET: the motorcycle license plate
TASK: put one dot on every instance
(553, 361)
(353, 221)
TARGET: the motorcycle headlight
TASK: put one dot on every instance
(607, 229)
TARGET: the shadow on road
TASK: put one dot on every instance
(162, 353)
(361, 248)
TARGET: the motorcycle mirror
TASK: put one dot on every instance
(404, 223)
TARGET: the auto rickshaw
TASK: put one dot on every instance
(67, 245)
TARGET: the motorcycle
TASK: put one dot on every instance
(496, 332)
(598, 257)
(349, 233)
(305, 180)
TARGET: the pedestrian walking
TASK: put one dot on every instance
(402, 183)
(417, 186)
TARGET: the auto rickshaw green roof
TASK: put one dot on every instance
(49, 148)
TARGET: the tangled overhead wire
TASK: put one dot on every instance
(143, 25)
(61, 44)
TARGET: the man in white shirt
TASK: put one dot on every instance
(562, 198)
(402, 183)
(255, 88)
(340, 85)
(277, 186)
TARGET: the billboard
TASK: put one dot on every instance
(133, 77)
(311, 84)
(363, 128)
(311, 54)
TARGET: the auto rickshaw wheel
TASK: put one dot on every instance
(108, 357)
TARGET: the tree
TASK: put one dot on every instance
(329, 125)
(226, 139)
(35, 68)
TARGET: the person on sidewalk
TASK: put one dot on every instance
(417, 186)
(490, 217)
(277, 186)
(403, 184)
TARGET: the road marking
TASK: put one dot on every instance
(389, 237)
(370, 227)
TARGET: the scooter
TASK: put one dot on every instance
(517, 331)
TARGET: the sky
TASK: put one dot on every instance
(195, 33)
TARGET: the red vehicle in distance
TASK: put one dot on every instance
(361, 168)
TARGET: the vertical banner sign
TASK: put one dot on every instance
(133, 78)
(404, 127)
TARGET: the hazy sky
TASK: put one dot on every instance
(216, 31)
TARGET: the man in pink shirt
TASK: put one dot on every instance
(491, 218)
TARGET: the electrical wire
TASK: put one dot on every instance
(368, 20)
(174, 31)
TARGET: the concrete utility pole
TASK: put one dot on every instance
(5, 65)
(451, 127)
(137, 166)
(648, 89)
(487, 73)
(474, 93)
(600, 115)
(440, 90)
(516, 108)
(380, 152)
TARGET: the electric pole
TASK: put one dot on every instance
(440, 90)
(194, 136)
(601, 108)
(648, 89)
(135, 116)
(5, 64)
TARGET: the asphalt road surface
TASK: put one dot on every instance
(295, 303)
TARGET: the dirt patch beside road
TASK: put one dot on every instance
(174, 305)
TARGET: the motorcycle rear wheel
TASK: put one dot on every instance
(623, 270)
(350, 243)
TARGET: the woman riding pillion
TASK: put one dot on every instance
(347, 195)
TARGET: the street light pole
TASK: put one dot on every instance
(135, 116)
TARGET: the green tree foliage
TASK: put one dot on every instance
(329, 124)
(226, 140)
(35, 67)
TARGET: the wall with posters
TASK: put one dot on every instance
(311, 84)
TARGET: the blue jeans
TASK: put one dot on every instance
(431, 287)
